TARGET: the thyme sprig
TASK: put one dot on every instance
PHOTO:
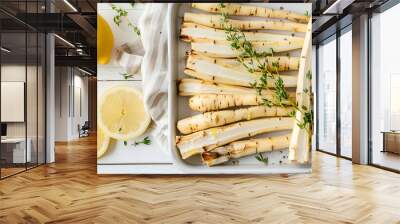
(256, 61)
(145, 141)
(122, 13)
(127, 76)
(261, 158)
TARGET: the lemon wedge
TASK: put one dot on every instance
(105, 41)
(122, 115)
(102, 142)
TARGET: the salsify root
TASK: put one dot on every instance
(244, 148)
(212, 102)
(223, 49)
(212, 138)
(273, 63)
(251, 10)
(191, 87)
(214, 21)
(219, 118)
(191, 31)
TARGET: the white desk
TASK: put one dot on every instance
(19, 154)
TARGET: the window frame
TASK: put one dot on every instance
(334, 37)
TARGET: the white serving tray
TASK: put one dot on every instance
(178, 107)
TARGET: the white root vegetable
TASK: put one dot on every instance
(212, 138)
(190, 87)
(282, 63)
(219, 118)
(239, 149)
(209, 71)
(212, 102)
(215, 21)
(190, 31)
(223, 48)
(300, 144)
(206, 69)
(251, 10)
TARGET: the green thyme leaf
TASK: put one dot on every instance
(309, 75)
(135, 28)
(127, 76)
(261, 158)
(145, 141)
(122, 13)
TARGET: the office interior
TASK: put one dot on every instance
(48, 76)
(45, 97)
(48, 101)
(338, 55)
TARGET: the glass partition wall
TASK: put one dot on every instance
(327, 96)
(385, 90)
(22, 78)
(334, 104)
(345, 91)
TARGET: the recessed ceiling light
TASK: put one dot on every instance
(5, 50)
(338, 6)
(84, 71)
(70, 5)
(64, 40)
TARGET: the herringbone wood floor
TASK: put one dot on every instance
(69, 191)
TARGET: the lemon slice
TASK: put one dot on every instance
(102, 143)
(122, 115)
(105, 41)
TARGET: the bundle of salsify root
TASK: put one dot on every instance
(222, 82)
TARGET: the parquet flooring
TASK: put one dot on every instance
(70, 191)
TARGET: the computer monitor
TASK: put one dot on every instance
(3, 129)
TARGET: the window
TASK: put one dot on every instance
(346, 93)
(385, 89)
(327, 96)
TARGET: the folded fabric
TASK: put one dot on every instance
(154, 69)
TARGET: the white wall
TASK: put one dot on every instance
(71, 94)
(61, 103)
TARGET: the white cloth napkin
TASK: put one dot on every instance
(154, 69)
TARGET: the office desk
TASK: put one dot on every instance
(17, 149)
(391, 141)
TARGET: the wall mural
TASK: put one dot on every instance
(204, 88)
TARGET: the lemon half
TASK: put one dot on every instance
(122, 114)
(102, 142)
(105, 41)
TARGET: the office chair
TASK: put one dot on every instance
(84, 130)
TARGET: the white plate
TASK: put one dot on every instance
(178, 107)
